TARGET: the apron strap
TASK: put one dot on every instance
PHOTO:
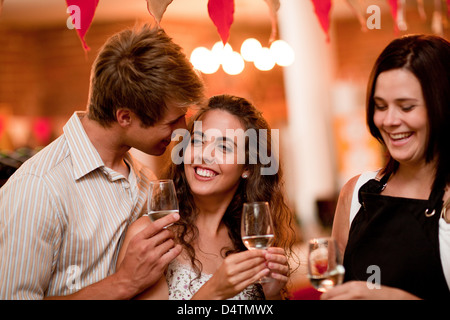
(435, 201)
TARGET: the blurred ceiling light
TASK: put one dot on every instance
(204, 60)
(209, 61)
(220, 51)
(233, 63)
(197, 56)
(282, 53)
(250, 49)
(264, 61)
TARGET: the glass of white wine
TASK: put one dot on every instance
(257, 227)
(162, 199)
(325, 269)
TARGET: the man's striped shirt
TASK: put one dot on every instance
(62, 217)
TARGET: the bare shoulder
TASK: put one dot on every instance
(342, 215)
(345, 198)
(347, 190)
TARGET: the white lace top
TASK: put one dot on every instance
(179, 277)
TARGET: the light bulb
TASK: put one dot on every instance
(204, 60)
(250, 48)
(220, 50)
(264, 61)
(233, 63)
(282, 53)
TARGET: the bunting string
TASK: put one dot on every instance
(221, 13)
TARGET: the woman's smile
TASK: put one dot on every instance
(204, 174)
(399, 139)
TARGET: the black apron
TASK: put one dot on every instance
(400, 236)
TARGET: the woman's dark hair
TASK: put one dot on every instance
(256, 187)
(428, 58)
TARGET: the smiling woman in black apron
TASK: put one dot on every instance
(393, 225)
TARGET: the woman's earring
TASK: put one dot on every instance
(245, 176)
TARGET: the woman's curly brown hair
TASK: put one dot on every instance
(256, 187)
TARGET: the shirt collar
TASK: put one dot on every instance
(136, 168)
(85, 157)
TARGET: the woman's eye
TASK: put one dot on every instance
(408, 108)
(380, 107)
(196, 141)
(224, 148)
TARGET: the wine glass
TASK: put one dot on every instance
(257, 227)
(162, 199)
(325, 269)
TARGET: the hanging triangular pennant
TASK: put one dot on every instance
(358, 15)
(437, 20)
(322, 9)
(421, 9)
(157, 8)
(81, 15)
(401, 17)
(221, 13)
(274, 5)
(394, 9)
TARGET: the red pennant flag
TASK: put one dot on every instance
(221, 13)
(82, 12)
(394, 10)
(322, 9)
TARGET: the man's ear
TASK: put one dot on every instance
(124, 117)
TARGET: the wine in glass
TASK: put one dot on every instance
(257, 227)
(325, 269)
(162, 199)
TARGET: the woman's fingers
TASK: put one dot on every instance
(243, 279)
(245, 261)
(277, 261)
(245, 267)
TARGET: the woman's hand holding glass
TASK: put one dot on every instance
(277, 263)
(257, 227)
(257, 233)
(237, 272)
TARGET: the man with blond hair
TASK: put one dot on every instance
(64, 212)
